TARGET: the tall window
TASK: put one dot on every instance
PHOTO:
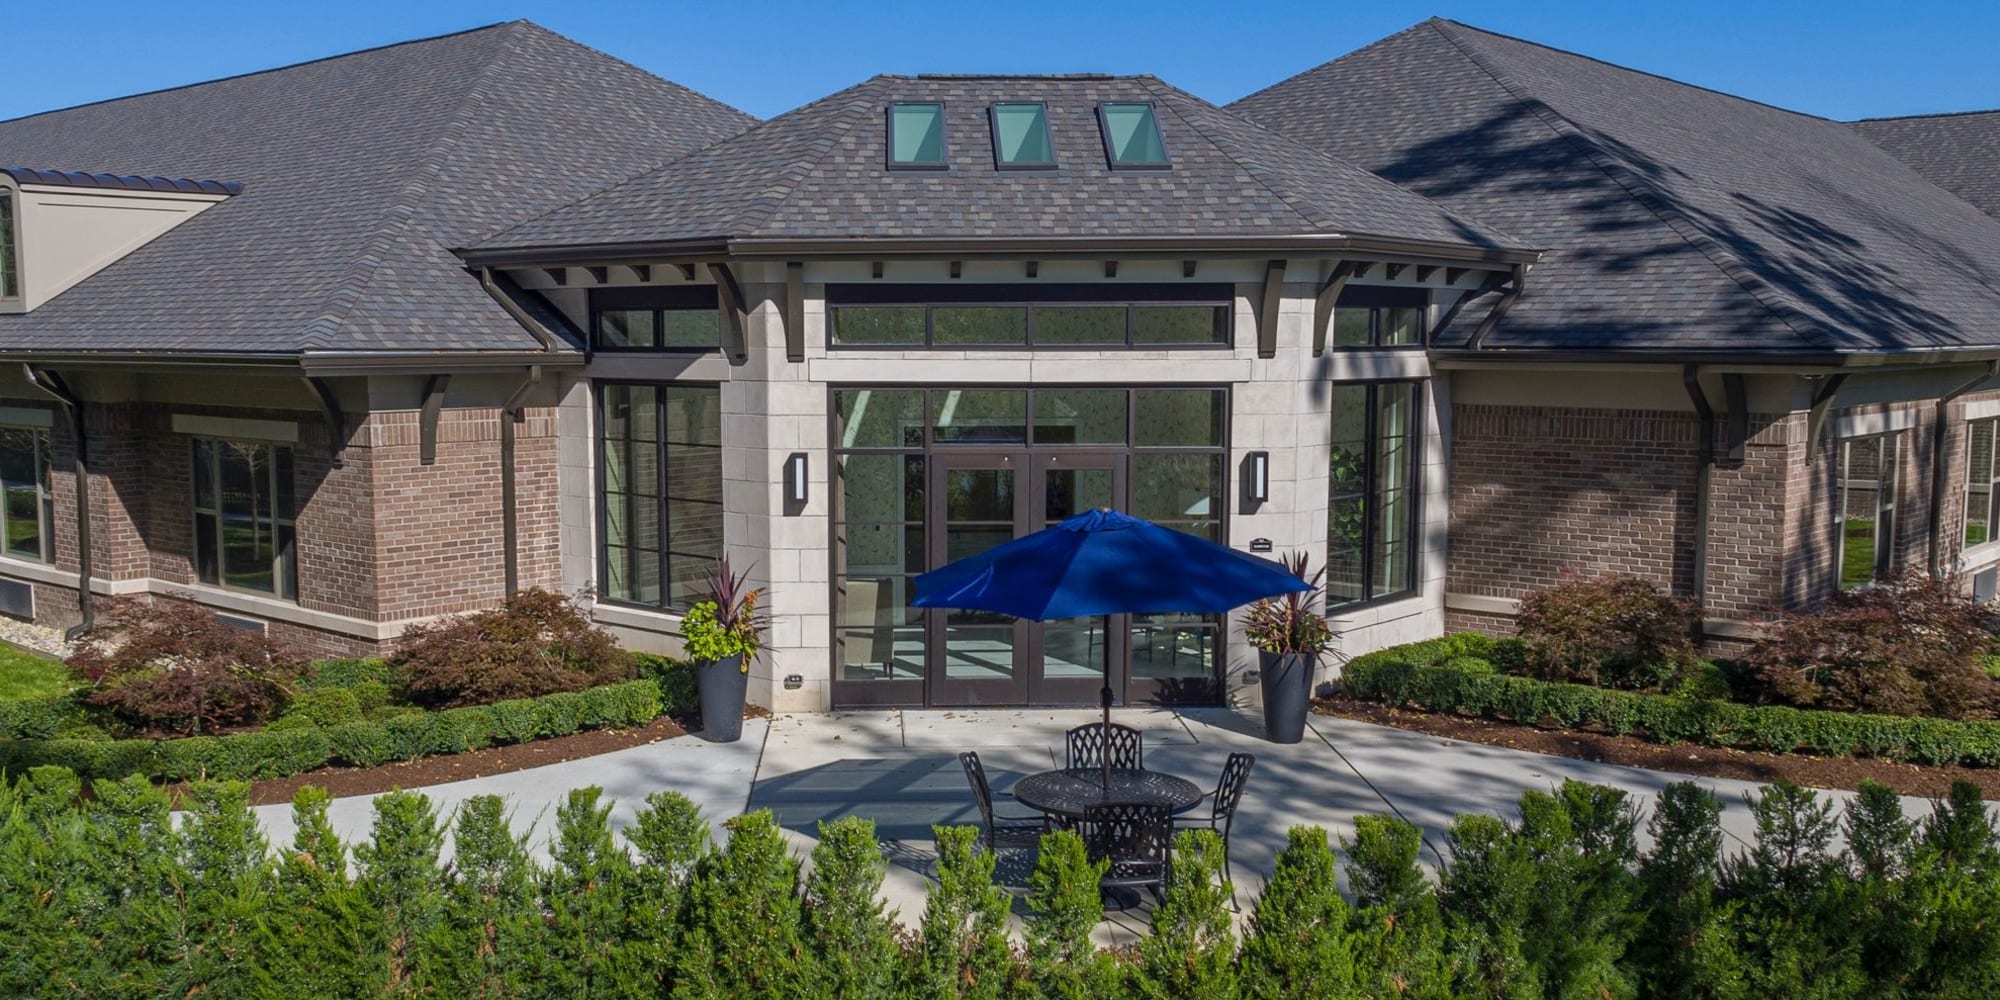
(1867, 509)
(1372, 492)
(10, 274)
(674, 318)
(243, 507)
(1380, 317)
(659, 474)
(1982, 518)
(29, 512)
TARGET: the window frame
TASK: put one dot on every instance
(1166, 161)
(1054, 161)
(1991, 517)
(1886, 509)
(656, 299)
(44, 465)
(1370, 487)
(889, 136)
(1377, 300)
(1211, 295)
(11, 294)
(601, 558)
(284, 579)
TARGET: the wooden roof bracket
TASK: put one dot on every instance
(336, 421)
(735, 311)
(427, 419)
(1500, 308)
(1492, 284)
(1736, 408)
(1822, 404)
(1329, 293)
(1267, 317)
(795, 311)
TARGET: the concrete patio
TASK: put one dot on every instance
(900, 769)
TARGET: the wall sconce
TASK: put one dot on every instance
(795, 479)
(1259, 477)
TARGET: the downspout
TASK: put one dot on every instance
(1936, 529)
(510, 414)
(1703, 472)
(72, 407)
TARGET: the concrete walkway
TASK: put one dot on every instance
(900, 769)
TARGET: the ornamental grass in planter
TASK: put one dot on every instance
(1291, 639)
(722, 634)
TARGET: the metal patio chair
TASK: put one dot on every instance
(1222, 804)
(1137, 838)
(1089, 745)
(1014, 831)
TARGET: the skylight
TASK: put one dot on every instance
(1132, 136)
(1021, 137)
(916, 136)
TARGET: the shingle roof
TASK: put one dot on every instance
(360, 173)
(1958, 152)
(819, 173)
(1680, 218)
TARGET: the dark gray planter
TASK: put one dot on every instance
(1287, 680)
(723, 685)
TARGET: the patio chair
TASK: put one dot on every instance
(1014, 831)
(1089, 745)
(1137, 838)
(1222, 804)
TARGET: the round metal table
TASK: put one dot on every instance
(1068, 792)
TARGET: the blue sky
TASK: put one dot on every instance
(1837, 58)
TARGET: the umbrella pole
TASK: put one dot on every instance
(1104, 696)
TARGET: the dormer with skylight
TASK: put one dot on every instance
(58, 227)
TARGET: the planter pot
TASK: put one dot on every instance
(723, 685)
(1287, 681)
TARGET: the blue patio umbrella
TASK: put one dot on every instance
(1102, 562)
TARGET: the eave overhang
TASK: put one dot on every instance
(310, 364)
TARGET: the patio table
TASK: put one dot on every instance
(1070, 791)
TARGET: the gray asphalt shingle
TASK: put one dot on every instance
(1960, 153)
(820, 172)
(1679, 218)
(361, 174)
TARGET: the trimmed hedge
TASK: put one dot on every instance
(36, 719)
(291, 749)
(1444, 675)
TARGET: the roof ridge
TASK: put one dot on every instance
(351, 286)
(269, 69)
(1308, 71)
(755, 216)
(1627, 69)
(1255, 175)
(1928, 114)
(1634, 186)
(675, 84)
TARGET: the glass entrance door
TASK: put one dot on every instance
(1069, 656)
(977, 657)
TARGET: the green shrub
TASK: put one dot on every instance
(1614, 631)
(852, 939)
(1300, 944)
(325, 708)
(173, 668)
(38, 718)
(675, 679)
(559, 714)
(515, 721)
(1706, 679)
(349, 673)
(362, 744)
(1908, 648)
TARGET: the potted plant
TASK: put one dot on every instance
(722, 633)
(1291, 638)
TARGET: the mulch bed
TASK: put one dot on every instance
(1844, 773)
(344, 781)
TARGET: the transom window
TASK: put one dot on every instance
(916, 136)
(1021, 137)
(244, 537)
(1867, 509)
(1982, 516)
(1132, 136)
(674, 318)
(1372, 492)
(27, 518)
(1380, 317)
(1058, 316)
(659, 475)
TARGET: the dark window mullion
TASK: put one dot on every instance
(666, 598)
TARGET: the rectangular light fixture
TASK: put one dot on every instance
(795, 478)
(1260, 476)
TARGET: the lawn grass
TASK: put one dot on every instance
(25, 675)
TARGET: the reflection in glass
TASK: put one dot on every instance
(1080, 416)
(1180, 324)
(1868, 504)
(883, 325)
(660, 478)
(243, 514)
(880, 418)
(24, 476)
(878, 547)
(1059, 325)
(980, 416)
(974, 325)
(1979, 477)
(1178, 418)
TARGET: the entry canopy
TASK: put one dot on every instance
(1102, 562)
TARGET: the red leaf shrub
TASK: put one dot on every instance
(169, 668)
(537, 643)
(1614, 631)
(1907, 648)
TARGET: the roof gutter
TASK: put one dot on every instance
(1940, 462)
(1041, 247)
(52, 384)
(1880, 361)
